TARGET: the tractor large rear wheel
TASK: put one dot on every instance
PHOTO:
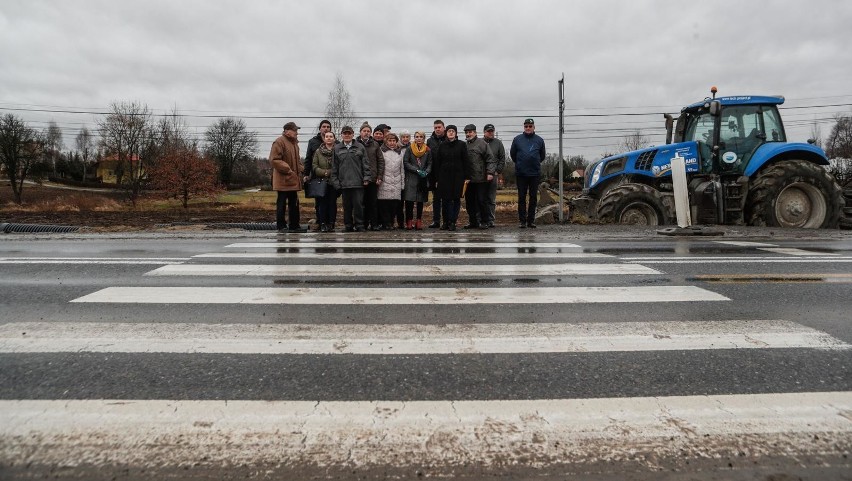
(794, 193)
(637, 204)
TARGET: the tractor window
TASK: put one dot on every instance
(773, 128)
(700, 128)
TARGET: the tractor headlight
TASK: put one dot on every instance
(596, 175)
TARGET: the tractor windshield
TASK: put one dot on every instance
(744, 128)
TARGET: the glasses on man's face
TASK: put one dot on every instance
(528, 126)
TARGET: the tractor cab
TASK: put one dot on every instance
(729, 130)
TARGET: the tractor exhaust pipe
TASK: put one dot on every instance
(669, 127)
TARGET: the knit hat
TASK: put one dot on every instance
(366, 124)
(452, 127)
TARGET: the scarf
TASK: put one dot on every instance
(418, 151)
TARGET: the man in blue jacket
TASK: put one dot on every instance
(527, 152)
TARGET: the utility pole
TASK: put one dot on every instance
(561, 85)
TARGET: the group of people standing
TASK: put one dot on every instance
(385, 179)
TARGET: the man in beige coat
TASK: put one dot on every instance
(287, 177)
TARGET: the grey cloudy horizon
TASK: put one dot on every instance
(406, 63)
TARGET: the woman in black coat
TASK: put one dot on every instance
(449, 166)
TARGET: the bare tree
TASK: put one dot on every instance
(53, 143)
(339, 107)
(838, 145)
(634, 141)
(85, 142)
(125, 135)
(20, 149)
(229, 142)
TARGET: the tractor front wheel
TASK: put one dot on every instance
(637, 204)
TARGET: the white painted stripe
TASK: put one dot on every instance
(406, 339)
(797, 252)
(95, 258)
(89, 262)
(444, 435)
(746, 244)
(335, 270)
(724, 258)
(745, 261)
(398, 296)
(406, 244)
(400, 255)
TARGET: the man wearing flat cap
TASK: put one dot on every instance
(499, 152)
(527, 152)
(479, 171)
(287, 178)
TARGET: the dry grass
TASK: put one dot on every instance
(66, 202)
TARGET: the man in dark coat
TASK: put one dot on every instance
(449, 169)
(437, 138)
(496, 146)
(527, 151)
(480, 171)
(377, 171)
(350, 173)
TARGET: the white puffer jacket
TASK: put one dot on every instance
(394, 180)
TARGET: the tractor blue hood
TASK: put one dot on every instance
(650, 162)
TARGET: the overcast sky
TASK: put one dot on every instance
(463, 61)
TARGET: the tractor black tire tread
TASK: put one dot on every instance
(769, 182)
(618, 196)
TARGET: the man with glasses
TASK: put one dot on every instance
(527, 152)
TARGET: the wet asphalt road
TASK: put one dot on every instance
(808, 285)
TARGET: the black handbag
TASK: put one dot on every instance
(316, 188)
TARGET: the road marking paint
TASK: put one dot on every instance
(335, 270)
(725, 258)
(409, 339)
(398, 296)
(743, 260)
(93, 260)
(403, 244)
(402, 255)
(445, 435)
(797, 252)
(746, 244)
(780, 278)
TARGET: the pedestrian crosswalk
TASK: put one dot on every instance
(398, 339)
(396, 388)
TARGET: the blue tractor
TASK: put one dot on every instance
(741, 170)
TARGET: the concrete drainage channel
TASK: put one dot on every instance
(9, 228)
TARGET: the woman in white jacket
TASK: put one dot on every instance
(390, 191)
